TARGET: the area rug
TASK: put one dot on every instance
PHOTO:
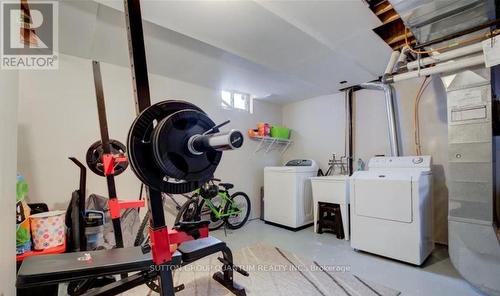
(274, 271)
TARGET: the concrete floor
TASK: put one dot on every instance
(436, 277)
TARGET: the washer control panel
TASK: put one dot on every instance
(300, 162)
(402, 162)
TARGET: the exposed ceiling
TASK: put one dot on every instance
(281, 51)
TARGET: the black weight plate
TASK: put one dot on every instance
(94, 157)
(140, 150)
(170, 142)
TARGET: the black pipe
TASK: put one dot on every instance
(495, 116)
(350, 159)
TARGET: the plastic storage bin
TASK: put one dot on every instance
(280, 132)
(47, 229)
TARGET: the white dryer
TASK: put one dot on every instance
(391, 208)
(287, 194)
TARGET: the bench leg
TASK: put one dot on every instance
(226, 277)
(166, 281)
(120, 286)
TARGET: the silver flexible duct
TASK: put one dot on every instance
(390, 102)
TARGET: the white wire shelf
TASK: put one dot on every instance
(269, 143)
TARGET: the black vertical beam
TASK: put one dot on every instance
(137, 54)
(103, 125)
(82, 238)
(101, 107)
(82, 207)
(140, 82)
(138, 65)
(166, 281)
(155, 206)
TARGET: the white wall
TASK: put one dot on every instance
(318, 130)
(318, 126)
(58, 118)
(9, 92)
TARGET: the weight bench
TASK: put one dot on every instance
(54, 269)
(197, 249)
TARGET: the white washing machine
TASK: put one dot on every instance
(287, 194)
(391, 208)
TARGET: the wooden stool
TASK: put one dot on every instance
(330, 219)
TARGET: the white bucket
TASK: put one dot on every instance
(47, 229)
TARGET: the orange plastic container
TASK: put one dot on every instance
(252, 133)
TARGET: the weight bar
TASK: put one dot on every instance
(198, 144)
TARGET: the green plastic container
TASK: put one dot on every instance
(280, 132)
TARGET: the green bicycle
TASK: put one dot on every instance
(212, 203)
(216, 205)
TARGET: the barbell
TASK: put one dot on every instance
(174, 147)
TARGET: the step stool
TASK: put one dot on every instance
(330, 219)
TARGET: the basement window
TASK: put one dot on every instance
(235, 100)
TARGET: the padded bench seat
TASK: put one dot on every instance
(200, 248)
(60, 268)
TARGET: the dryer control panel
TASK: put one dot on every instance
(401, 162)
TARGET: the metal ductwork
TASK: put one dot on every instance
(432, 19)
(392, 118)
(473, 232)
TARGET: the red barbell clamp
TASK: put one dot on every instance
(110, 161)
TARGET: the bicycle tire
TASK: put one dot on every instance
(247, 214)
(214, 222)
(141, 236)
(142, 232)
(184, 215)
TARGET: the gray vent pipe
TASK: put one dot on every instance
(390, 102)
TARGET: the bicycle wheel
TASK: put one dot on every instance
(206, 214)
(143, 232)
(188, 212)
(140, 238)
(240, 202)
